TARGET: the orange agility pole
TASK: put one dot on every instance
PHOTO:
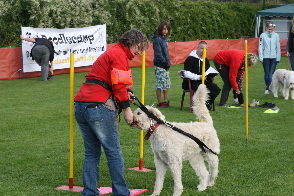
(141, 161)
(246, 90)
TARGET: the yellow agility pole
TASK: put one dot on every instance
(70, 186)
(246, 89)
(141, 161)
(203, 69)
(203, 65)
(71, 122)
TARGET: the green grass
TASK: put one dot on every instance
(34, 141)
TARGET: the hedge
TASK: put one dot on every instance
(189, 20)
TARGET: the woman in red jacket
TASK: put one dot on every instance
(230, 65)
(105, 91)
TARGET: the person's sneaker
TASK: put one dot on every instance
(267, 105)
(226, 105)
(275, 108)
(159, 104)
(254, 103)
(271, 105)
(50, 77)
(266, 92)
(236, 103)
(263, 105)
(162, 105)
(166, 103)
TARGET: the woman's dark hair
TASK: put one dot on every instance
(134, 37)
(160, 28)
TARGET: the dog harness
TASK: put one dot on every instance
(152, 116)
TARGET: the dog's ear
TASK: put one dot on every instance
(156, 112)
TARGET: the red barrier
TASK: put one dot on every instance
(11, 59)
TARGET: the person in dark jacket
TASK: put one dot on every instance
(42, 53)
(290, 45)
(193, 71)
(161, 62)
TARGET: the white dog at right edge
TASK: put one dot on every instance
(285, 79)
(171, 148)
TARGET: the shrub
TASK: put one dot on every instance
(189, 20)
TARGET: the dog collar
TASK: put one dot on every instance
(151, 130)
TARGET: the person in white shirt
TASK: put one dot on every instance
(193, 71)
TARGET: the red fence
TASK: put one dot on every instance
(11, 58)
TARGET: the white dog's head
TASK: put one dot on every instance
(142, 121)
(291, 80)
(291, 86)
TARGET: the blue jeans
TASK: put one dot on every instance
(99, 129)
(292, 60)
(269, 67)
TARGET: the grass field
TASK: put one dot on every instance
(34, 141)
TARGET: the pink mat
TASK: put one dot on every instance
(103, 190)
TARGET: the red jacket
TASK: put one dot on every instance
(234, 59)
(115, 57)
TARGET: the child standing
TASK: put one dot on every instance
(269, 52)
(161, 62)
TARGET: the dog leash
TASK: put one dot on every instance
(150, 115)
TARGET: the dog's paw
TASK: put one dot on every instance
(210, 183)
(201, 188)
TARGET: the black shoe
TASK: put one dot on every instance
(50, 77)
(267, 105)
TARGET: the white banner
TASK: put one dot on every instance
(86, 43)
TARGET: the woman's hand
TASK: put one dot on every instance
(128, 114)
(130, 95)
(51, 67)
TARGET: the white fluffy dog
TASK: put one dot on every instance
(171, 148)
(284, 79)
